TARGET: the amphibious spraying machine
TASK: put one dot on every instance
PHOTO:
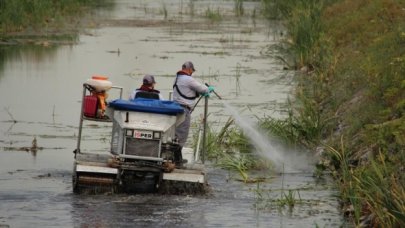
(143, 141)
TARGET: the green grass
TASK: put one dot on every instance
(289, 199)
(266, 199)
(239, 10)
(241, 163)
(304, 124)
(302, 19)
(191, 6)
(213, 15)
(354, 91)
(20, 15)
(375, 190)
(385, 192)
(229, 149)
(164, 11)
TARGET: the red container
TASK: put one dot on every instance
(90, 106)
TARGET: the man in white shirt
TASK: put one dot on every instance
(185, 91)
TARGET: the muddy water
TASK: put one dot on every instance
(40, 90)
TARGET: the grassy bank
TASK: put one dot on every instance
(41, 16)
(350, 98)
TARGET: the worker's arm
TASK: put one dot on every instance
(198, 87)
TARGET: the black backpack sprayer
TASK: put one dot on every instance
(141, 155)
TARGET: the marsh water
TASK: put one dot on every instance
(40, 93)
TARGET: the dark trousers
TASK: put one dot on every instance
(178, 157)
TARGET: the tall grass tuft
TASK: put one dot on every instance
(340, 160)
(19, 15)
(265, 199)
(239, 11)
(213, 15)
(229, 149)
(352, 88)
(384, 192)
(304, 24)
(304, 124)
(164, 11)
(374, 192)
(240, 163)
(191, 6)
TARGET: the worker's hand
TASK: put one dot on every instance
(206, 94)
(210, 89)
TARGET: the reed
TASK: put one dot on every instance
(164, 11)
(229, 149)
(238, 74)
(213, 15)
(191, 6)
(19, 15)
(7, 110)
(240, 163)
(239, 11)
(289, 199)
(353, 89)
(303, 21)
(349, 192)
(305, 28)
(304, 124)
(372, 195)
(383, 192)
(265, 199)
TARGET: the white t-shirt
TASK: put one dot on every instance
(189, 87)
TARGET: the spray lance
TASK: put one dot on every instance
(216, 94)
(196, 156)
(213, 91)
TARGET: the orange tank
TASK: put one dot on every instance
(99, 83)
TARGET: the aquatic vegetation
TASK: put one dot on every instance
(239, 11)
(229, 149)
(385, 192)
(304, 124)
(164, 11)
(213, 15)
(350, 86)
(237, 162)
(191, 6)
(20, 15)
(303, 22)
(266, 199)
(371, 193)
(7, 110)
(289, 199)
(238, 74)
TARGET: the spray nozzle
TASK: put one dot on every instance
(216, 94)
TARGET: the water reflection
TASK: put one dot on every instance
(30, 55)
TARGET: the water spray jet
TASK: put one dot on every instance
(284, 160)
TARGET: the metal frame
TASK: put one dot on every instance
(140, 157)
(82, 117)
(123, 154)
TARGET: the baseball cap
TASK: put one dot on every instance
(148, 79)
(188, 65)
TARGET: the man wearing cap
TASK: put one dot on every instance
(148, 85)
(185, 90)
